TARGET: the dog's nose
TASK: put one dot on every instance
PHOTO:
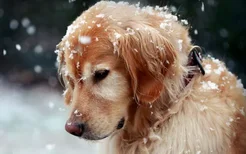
(76, 129)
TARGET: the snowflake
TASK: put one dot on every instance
(185, 22)
(100, 15)
(4, 52)
(98, 25)
(209, 85)
(51, 105)
(18, 47)
(117, 35)
(85, 39)
(50, 146)
(195, 31)
(207, 68)
(38, 69)
(239, 84)
(202, 7)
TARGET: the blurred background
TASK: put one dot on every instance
(32, 114)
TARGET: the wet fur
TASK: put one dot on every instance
(163, 114)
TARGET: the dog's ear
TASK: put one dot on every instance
(147, 55)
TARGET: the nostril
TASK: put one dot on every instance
(75, 129)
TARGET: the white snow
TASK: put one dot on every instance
(195, 31)
(65, 92)
(61, 109)
(85, 40)
(117, 35)
(37, 68)
(239, 84)
(198, 152)
(100, 15)
(18, 47)
(28, 126)
(50, 146)
(207, 68)
(38, 49)
(184, 21)
(78, 65)
(4, 52)
(180, 43)
(51, 105)
(219, 70)
(209, 85)
(31, 30)
(165, 25)
(14, 24)
(25, 22)
(202, 7)
(145, 140)
(223, 33)
(70, 1)
(130, 31)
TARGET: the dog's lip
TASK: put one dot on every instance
(95, 138)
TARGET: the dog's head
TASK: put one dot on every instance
(114, 55)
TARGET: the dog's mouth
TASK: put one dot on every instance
(90, 136)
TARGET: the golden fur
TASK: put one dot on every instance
(146, 51)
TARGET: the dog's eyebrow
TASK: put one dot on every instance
(100, 67)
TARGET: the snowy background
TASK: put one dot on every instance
(32, 121)
(32, 113)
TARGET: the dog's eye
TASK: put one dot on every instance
(100, 75)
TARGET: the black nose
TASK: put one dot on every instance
(76, 129)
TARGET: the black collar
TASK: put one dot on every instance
(194, 59)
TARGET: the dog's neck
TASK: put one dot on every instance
(147, 118)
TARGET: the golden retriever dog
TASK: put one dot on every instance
(132, 76)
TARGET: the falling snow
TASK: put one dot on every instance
(70, 1)
(38, 69)
(14, 24)
(4, 52)
(185, 22)
(51, 105)
(50, 146)
(202, 7)
(25, 22)
(31, 30)
(196, 32)
(18, 47)
(38, 49)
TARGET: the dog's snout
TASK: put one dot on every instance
(76, 129)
